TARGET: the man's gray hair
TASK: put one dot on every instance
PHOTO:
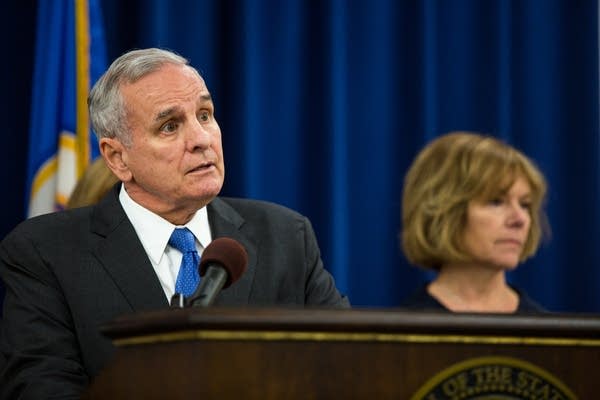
(108, 113)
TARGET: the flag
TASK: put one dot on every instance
(70, 55)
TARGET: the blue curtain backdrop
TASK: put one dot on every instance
(323, 105)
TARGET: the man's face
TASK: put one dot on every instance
(175, 162)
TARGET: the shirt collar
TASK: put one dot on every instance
(154, 231)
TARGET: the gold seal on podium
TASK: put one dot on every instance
(494, 378)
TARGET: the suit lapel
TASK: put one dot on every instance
(123, 256)
(226, 222)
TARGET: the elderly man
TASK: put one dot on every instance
(66, 273)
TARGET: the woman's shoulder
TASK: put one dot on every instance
(526, 304)
(421, 300)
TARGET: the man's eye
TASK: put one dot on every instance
(169, 127)
(204, 116)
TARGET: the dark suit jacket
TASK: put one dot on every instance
(67, 273)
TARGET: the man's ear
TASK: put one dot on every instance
(115, 156)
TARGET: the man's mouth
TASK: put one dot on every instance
(201, 167)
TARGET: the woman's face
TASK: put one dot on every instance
(497, 229)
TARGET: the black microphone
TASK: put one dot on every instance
(223, 262)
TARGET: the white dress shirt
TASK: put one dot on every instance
(154, 233)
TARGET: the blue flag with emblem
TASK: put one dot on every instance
(70, 56)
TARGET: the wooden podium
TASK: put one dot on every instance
(254, 353)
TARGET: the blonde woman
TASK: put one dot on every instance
(471, 211)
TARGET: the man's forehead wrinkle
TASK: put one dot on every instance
(204, 98)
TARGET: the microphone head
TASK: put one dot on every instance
(227, 253)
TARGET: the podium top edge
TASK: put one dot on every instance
(352, 320)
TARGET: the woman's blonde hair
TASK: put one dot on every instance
(446, 175)
(93, 185)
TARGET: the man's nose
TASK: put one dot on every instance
(198, 135)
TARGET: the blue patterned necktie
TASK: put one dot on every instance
(188, 277)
